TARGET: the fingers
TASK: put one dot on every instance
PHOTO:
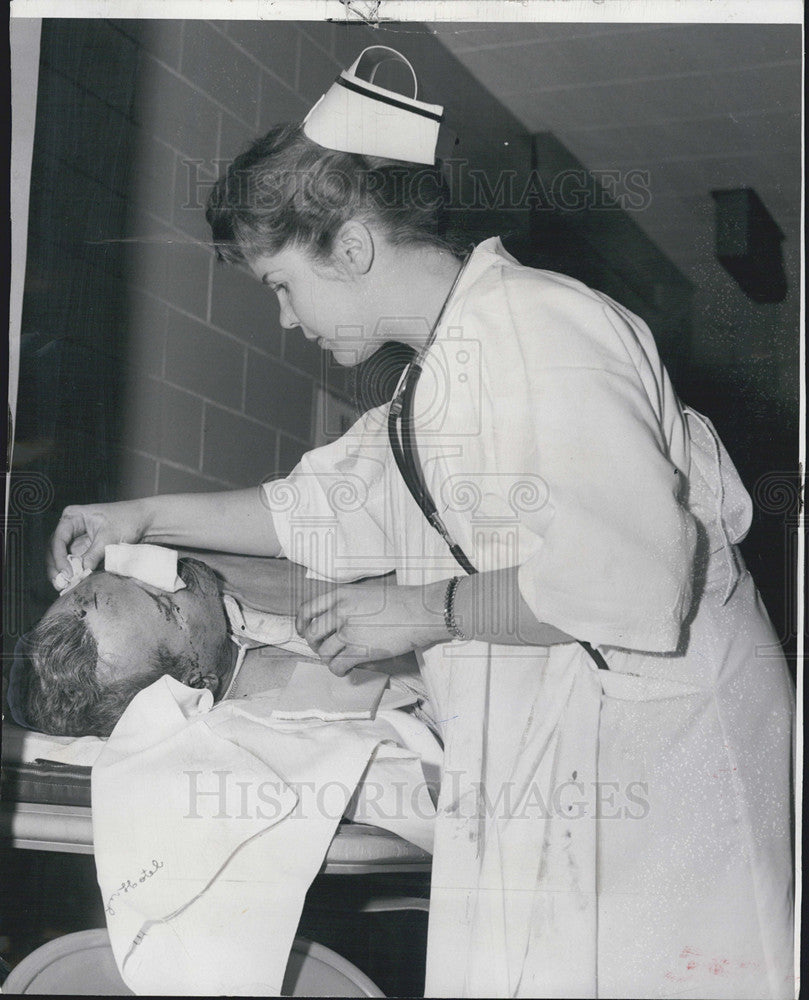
(331, 647)
(342, 655)
(342, 629)
(312, 609)
(325, 634)
(334, 648)
(77, 533)
(341, 664)
(80, 545)
(94, 552)
(319, 628)
(70, 527)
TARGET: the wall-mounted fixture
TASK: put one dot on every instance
(748, 244)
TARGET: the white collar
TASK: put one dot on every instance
(250, 628)
(240, 657)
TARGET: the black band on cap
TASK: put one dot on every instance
(359, 89)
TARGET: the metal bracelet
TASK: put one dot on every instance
(449, 609)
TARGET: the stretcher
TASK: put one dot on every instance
(45, 806)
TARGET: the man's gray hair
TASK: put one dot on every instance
(64, 696)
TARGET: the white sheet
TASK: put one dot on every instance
(210, 825)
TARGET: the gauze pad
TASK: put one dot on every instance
(65, 582)
(313, 692)
(152, 564)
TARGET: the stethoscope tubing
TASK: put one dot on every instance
(405, 453)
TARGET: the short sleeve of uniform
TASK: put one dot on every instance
(609, 556)
(331, 512)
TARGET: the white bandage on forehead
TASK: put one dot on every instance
(152, 564)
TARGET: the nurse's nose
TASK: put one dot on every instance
(287, 318)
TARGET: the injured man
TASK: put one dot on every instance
(112, 634)
(227, 754)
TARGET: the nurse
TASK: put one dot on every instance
(614, 818)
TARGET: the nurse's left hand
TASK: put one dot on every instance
(356, 623)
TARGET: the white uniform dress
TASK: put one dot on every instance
(620, 833)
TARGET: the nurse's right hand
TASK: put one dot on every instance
(86, 530)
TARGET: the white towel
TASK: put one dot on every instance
(152, 564)
(210, 826)
(65, 582)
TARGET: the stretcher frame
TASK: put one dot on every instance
(357, 849)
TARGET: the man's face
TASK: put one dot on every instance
(133, 621)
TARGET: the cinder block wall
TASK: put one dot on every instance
(145, 365)
(220, 395)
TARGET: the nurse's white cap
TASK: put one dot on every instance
(356, 116)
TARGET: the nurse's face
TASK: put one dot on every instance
(328, 304)
(132, 622)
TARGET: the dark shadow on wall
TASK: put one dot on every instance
(583, 230)
(74, 318)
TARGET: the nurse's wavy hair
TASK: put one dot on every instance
(286, 189)
(63, 696)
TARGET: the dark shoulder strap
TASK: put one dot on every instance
(405, 455)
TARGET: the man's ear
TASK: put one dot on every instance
(354, 247)
(193, 677)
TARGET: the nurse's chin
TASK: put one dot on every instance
(349, 357)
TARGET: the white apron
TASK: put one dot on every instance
(611, 833)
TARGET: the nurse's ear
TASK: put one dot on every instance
(353, 248)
